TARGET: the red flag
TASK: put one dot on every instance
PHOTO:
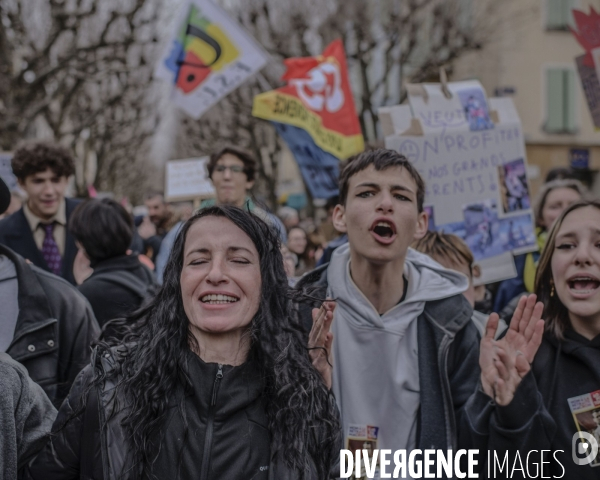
(317, 99)
(587, 33)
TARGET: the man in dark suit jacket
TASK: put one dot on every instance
(38, 231)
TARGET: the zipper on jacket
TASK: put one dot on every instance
(451, 433)
(209, 425)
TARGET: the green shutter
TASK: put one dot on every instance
(569, 20)
(570, 124)
(554, 100)
(557, 14)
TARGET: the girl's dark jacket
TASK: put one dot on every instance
(539, 418)
(227, 436)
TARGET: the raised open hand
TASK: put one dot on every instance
(525, 332)
(320, 340)
(505, 362)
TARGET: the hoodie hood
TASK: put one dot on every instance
(427, 280)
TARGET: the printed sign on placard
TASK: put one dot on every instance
(187, 179)
(586, 414)
(359, 438)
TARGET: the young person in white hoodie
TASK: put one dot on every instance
(405, 352)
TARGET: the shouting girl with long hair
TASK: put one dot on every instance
(554, 390)
(213, 381)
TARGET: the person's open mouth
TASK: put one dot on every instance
(218, 299)
(383, 230)
(583, 285)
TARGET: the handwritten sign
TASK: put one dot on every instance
(465, 107)
(461, 166)
(475, 173)
(187, 179)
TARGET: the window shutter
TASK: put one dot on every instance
(570, 124)
(554, 100)
(558, 14)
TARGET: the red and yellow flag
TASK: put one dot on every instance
(317, 99)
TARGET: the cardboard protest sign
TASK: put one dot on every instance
(318, 100)
(187, 179)
(6, 172)
(466, 107)
(209, 56)
(475, 170)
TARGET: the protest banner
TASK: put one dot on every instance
(587, 34)
(209, 56)
(317, 100)
(187, 180)
(6, 172)
(471, 153)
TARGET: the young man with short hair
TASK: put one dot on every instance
(405, 352)
(38, 231)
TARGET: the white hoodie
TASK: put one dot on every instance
(375, 369)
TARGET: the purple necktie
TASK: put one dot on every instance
(50, 250)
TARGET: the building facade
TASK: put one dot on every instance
(530, 56)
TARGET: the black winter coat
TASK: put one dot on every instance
(54, 330)
(117, 287)
(228, 435)
(539, 418)
(15, 233)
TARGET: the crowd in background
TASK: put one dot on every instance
(71, 269)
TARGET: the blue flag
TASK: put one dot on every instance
(319, 169)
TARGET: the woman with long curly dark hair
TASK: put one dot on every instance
(212, 381)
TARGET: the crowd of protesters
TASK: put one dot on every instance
(232, 343)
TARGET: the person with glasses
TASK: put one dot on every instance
(233, 172)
